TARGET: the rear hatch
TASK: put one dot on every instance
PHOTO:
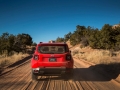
(52, 55)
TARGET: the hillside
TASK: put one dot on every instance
(106, 60)
(97, 56)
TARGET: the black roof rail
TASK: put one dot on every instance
(64, 42)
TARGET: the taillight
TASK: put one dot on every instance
(36, 57)
(68, 57)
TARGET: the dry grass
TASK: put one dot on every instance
(5, 61)
(104, 59)
(96, 56)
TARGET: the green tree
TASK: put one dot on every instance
(4, 45)
(73, 39)
(67, 36)
(21, 41)
(117, 38)
(94, 39)
(60, 39)
(106, 34)
(34, 44)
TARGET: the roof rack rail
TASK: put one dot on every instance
(52, 41)
(64, 42)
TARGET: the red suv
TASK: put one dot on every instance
(51, 59)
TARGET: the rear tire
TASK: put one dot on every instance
(34, 77)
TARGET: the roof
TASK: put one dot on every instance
(55, 43)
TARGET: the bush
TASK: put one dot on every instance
(75, 52)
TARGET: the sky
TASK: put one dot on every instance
(46, 20)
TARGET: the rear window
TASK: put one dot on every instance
(52, 49)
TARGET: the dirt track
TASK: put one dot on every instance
(85, 78)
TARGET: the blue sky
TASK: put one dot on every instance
(45, 20)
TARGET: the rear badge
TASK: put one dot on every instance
(52, 55)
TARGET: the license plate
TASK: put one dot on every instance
(52, 59)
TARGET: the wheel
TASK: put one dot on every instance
(34, 77)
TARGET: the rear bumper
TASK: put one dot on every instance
(50, 70)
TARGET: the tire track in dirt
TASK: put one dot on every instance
(93, 79)
(12, 80)
(84, 79)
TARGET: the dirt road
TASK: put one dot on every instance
(85, 78)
